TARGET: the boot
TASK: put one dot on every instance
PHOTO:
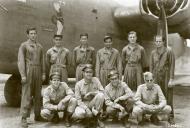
(171, 121)
(24, 123)
(68, 121)
(55, 118)
(154, 119)
(126, 122)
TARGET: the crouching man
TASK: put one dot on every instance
(90, 96)
(58, 97)
(150, 100)
(118, 98)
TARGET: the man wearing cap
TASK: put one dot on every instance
(31, 68)
(134, 61)
(150, 100)
(118, 98)
(107, 59)
(162, 65)
(58, 97)
(83, 54)
(58, 57)
(90, 96)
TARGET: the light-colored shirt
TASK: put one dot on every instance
(112, 93)
(82, 88)
(52, 97)
(146, 96)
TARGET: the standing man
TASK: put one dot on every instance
(31, 68)
(134, 60)
(107, 59)
(162, 65)
(58, 97)
(83, 54)
(150, 100)
(118, 98)
(58, 57)
(90, 96)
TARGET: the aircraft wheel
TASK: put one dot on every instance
(12, 91)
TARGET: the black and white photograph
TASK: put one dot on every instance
(94, 63)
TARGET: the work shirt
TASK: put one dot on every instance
(134, 55)
(30, 54)
(148, 96)
(82, 88)
(112, 93)
(52, 97)
(83, 56)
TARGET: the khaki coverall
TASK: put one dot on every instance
(107, 61)
(134, 60)
(59, 59)
(82, 57)
(31, 66)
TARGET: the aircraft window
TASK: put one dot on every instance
(187, 43)
(22, 1)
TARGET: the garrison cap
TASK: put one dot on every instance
(87, 66)
(84, 34)
(55, 74)
(113, 73)
(107, 37)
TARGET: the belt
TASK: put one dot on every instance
(60, 65)
(132, 65)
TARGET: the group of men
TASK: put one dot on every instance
(104, 95)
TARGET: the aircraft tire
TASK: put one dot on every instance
(12, 91)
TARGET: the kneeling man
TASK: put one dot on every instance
(90, 96)
(58, 97)
(118, 98)
(150, 100)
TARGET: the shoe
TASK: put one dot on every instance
(24, 123)
(55, 118)
(100, 123)
(171, 121)
(126, 122)
(39, 118)
(154, 120)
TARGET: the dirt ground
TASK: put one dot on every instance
(9, 116)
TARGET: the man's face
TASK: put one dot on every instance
(159, 42)
(108, 43)
(88, 73)
(57, 41)
(132, 38)
(149, 81)
(114, 81)
(55, 82)
(83, 40)
(32, 35)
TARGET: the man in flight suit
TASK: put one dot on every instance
(83, 54)
(58, 97)
(58, 57)
(107, 59)
(31, 68)
(162, 65)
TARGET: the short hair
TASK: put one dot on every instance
(84, 34)
(107, 37)
(87, 66)
(56, 35)
(146, 74)
(30, 29)
(163, 39)
(132, 32)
